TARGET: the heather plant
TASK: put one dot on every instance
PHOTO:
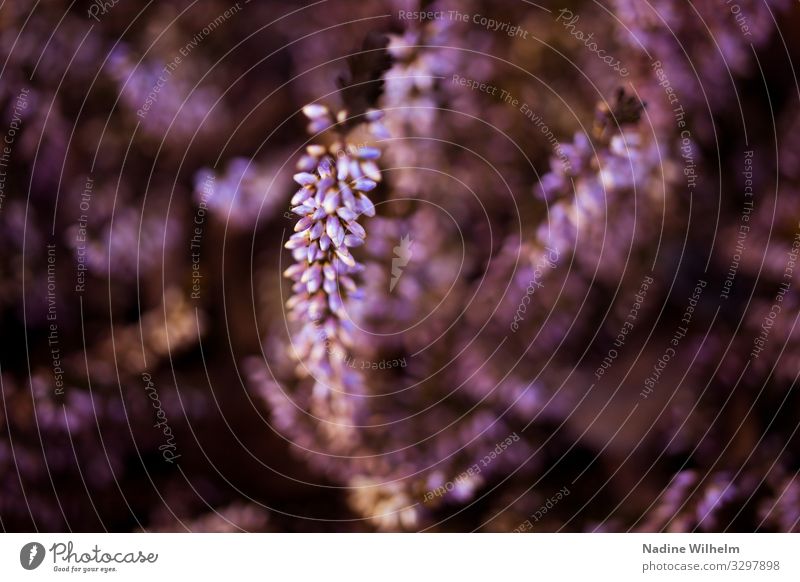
(331, 202)
(480, 268)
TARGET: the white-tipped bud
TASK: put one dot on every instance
(305, 178)
(315, 110)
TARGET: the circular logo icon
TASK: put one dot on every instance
(31, 555)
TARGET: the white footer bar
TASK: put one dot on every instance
(400, 557)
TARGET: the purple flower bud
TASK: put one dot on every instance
(379, 131)
(302, 210)
(316, 230)
(314, 281)
(306, 274)
(346, 214)
(324, 242)
(294, 271)
(329, 286)
(315, 110)
(333, 228)
(318, 125)
(343, 167)
(355, 169)
(364, 184)
(307, 164)
(301, 196)
(348, 283)
(311, 252)
(316, 306)
(303, 224)
(296, 241)
(330, 326)
(368, 153)
(325, 168)
(345, 256)
(371, 171)
(352, 240)
(347, 196)
(305, 179)
(366, 205)
(332, 201)
(295, 301)
(335, 303)
(356, 229)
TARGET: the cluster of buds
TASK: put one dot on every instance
(321, 118)
(334, 182)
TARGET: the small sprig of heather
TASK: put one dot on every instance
(332, 200)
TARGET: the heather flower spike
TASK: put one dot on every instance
(331, 204)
